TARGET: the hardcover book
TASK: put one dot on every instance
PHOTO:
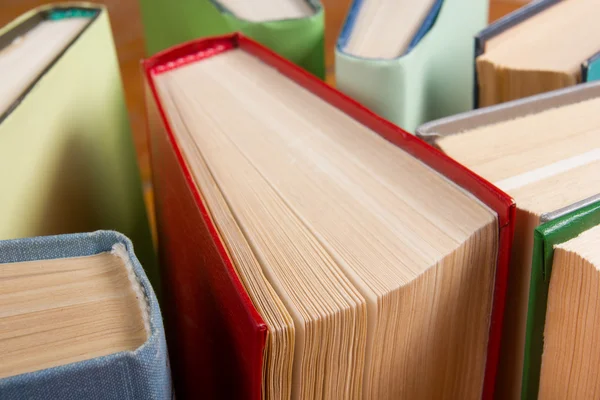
(79, 320)
(544, 151)
(295, 29)
(562, 347)
(67, 161)
(410, 61)
(311, 248)
(543, 46)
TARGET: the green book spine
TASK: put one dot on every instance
(546, 236)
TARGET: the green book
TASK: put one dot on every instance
(67, 159)
(293, 28)
(558, 227)
(410, 76)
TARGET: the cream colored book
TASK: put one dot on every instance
(374, 273)
(543, 151)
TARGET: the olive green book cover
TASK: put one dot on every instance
(67, 159)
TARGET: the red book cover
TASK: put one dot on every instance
(215, 335)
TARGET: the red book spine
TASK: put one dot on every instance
(215, 336)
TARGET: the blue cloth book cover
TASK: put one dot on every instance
(79, 320)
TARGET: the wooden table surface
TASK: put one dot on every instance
(127, 31)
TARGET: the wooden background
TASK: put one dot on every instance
(127, 31)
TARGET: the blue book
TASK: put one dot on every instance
(79, 320)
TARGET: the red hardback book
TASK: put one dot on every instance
(215, 335)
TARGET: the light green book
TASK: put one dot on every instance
(429, 79)
(67, 160)
(295, 29)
